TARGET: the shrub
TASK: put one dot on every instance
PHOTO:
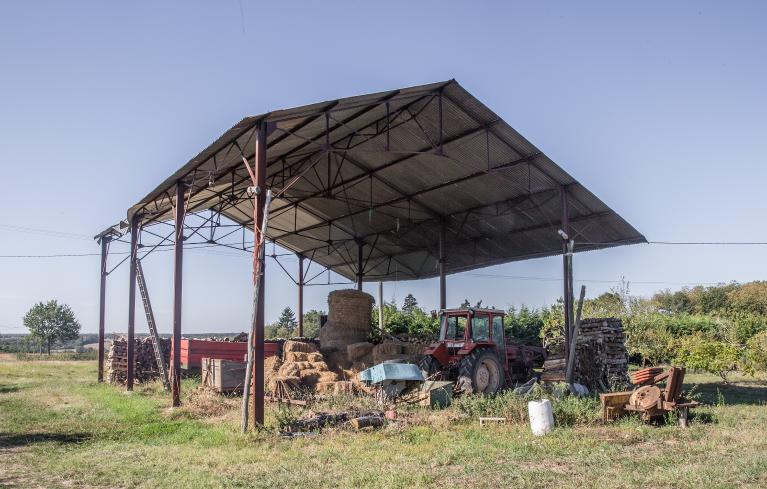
(712, 355)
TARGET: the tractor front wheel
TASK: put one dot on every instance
(481, 373)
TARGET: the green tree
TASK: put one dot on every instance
(312, 323)
(50, 322)
(286, 323)
(410, 304)
(712, 355)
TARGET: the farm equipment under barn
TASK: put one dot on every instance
(472, 350)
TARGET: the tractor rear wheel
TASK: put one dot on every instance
(481, 372)
(429, 366)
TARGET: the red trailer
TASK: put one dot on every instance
(193, 351)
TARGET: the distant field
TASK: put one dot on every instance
(58, 428)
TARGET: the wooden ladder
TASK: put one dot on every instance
(158, 355)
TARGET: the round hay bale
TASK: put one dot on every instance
(356, 351)
(337, 359)
(352, 307)
(299, 346)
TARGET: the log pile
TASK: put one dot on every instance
(145, 365)
(601, 361)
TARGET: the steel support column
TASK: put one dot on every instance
(102, 303)
(300, 284)
(360, 264)
(178, 269)
(567, 271)
(134, 231)
(442, 269)
(380, 307)
(257, 404)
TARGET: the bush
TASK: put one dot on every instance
(712, 355)
(64, 356)
(756, 352)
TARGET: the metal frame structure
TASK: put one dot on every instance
(407, 184)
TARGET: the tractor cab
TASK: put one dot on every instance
(472, 350)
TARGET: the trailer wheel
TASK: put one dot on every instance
(481, 373)
(429, 366)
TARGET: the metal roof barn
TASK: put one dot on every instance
(387, 171)
(398, 185)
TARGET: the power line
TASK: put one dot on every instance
(231, 245)
(44, 232)
(585, 280)
(711, 243)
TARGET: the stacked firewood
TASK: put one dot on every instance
(601, 361)
(143, 356)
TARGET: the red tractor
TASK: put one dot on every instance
(472, 350)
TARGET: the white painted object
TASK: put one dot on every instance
(541, 416)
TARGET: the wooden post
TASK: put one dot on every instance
(132, 302)
(178, 268)
(102, 303)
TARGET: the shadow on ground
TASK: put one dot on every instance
(752, 392)
(14, 440)
(6, 389)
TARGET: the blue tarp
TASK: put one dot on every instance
(391, 371)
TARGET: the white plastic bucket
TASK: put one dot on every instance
(541, 416)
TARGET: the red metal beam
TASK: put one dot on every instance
(257, 404)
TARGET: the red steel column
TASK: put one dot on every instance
(102, 302)
(300, 295)
(258, 361)
(178, 264)
(132, 302)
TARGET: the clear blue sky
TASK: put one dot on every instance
(658, 107)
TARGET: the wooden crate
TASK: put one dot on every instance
(223, 375)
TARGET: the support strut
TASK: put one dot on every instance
(178, 269)
(131, 367)
(102, 303)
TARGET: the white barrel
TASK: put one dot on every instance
(541, 416)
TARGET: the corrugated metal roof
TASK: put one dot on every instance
(390, 177)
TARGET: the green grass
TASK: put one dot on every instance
(59, 428)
